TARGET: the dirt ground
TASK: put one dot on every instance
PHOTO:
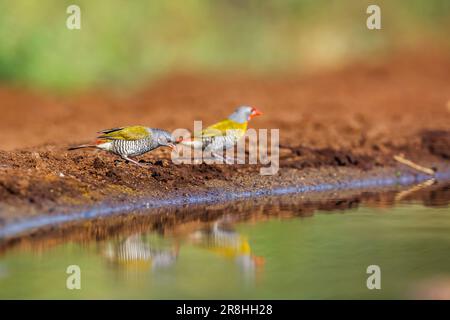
(333, 125)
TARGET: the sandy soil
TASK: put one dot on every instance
(334, 125)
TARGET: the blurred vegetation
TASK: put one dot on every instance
(125, 42)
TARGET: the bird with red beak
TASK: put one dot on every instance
(224, 134)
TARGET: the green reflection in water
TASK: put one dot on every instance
(324, 256)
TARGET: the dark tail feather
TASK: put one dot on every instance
(106, 131)
(83, 146)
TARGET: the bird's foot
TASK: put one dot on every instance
(142, 165)
(226, 160)
(229, 160)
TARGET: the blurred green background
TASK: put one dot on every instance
(123, 43)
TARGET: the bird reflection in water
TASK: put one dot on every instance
(222, 239)
(138, 252)
(150, 251)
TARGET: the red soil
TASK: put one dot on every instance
(345, 122)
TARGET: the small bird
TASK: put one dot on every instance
(131, 141)
(224, 134)
(225, 241)
(139, 252)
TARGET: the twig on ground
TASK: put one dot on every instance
(402, 194)
(401, 158)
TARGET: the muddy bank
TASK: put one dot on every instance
(185, 220)
(312, 184)
(335, 127)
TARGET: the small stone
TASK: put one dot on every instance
(36, 155)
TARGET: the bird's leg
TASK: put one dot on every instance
(220, 157)
(133, 161)
(228, 160)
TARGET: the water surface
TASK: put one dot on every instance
(260, 256)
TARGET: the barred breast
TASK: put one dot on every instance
(133, 249)
(131, 148)
(221, 142)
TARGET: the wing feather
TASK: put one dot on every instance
(125, 133)
(220, 128)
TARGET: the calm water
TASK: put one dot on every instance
(322, 256)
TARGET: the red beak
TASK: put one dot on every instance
(255, 112)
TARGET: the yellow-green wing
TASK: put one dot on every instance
(125, 133)
(220, 128)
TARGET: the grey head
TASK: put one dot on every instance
(162, 138)
(243, 114)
